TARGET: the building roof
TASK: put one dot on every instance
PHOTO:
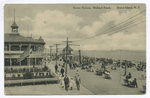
(69, 48)
(14, 25)
(10, 38)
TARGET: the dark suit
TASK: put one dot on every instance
(78, 81)
(56, 67)
(66, 81)
(62, 72)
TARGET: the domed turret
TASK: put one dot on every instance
(14, 26)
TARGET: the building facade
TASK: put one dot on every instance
(69, 54)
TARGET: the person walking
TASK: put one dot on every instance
(56, 67)
(66, 81)
(70, 65)
(74, 66)
(135, 83)
(72, 83)
(78, 81)
(62, 71)
(77, 73)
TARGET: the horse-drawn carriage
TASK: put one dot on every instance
(89, 69)
(99, 72)
(113, 67)
(130, 83)
(141, 67)
(107, 75)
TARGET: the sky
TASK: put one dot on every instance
(55, 22)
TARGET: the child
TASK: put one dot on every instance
(61, 81)
(72, 83)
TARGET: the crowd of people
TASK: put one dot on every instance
(86, 63)
(70, 82)
(66, 81)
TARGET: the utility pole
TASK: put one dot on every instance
(66, 53)
(80, 57)
(56, 52)
(50, 52)
(95, 56)
(125, 68)
(120, 65)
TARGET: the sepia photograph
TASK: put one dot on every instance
(75, 49)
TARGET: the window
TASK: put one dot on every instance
(14, 62)
(23, 48)
(32, 61)
(24, 62)
(6, 48)
(69, 52)
(38, 61)
(7, 62)
(15, 48)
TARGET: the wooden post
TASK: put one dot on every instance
(120, 66)
(66, 53)
(50, 52)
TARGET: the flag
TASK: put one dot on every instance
(25, 54)
(39, 49)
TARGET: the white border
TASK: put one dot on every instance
(3, 2)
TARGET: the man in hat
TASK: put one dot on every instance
(56, 67)
(66, 81)
(62, 71)
(78, 81)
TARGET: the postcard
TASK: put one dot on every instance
(75, 49)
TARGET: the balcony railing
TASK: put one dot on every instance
(13, 52)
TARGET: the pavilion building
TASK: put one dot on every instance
(69, 54)
(15, 45)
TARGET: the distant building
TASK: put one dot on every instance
(15, 45)
(69, 53)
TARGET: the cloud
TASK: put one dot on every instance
(118, 41)
(23, 19)
(55, 22)
(112, 18)
(55, 26)
(133, 38)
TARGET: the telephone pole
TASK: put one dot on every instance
(66, 53)
(120, 65)
(56, 52)
(125, 68)
(50, 52)
(95, 56)
(80, 57)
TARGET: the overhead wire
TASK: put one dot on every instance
(116, 25)
(124, 28)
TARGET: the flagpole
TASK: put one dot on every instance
(120, 65)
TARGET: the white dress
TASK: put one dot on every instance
(72, 83)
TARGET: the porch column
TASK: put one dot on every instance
(9, 47)
(20, 63)
(34, 47)
(20, 47)
(10, 60)
(35, 61)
